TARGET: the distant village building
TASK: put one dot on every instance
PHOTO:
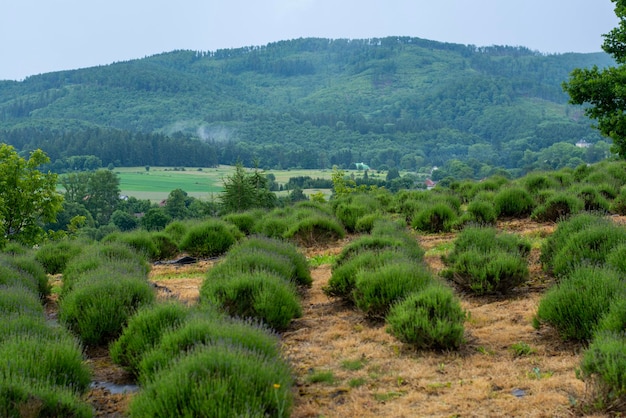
(429, 184)
(583, 144)
(362, 166)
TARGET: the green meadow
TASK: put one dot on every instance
(156, 183)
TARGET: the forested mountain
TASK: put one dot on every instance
(398, 102)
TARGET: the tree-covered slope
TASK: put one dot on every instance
(404, 102)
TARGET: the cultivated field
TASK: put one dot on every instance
(346, 365)
(156, 183)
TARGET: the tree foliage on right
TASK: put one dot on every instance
(604, 90)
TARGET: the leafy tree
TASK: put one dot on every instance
(104, 195)
(603, 89)
(97, 191)
(28, 197)
(69, 211)
(393, 173)
(124, 220)
(155, 219)
(175, 205)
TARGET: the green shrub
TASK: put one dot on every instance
(576, 304)
(428, 319)
(18, 299)
(110, 254)
(258, 260)
(376, 290)
(14, 324)
(210, 239)
(386, 226)
(177, 230)
(10, 276)
(218, 381)
(23, 397)
(484, 272)
(485, 239)
(27, 266)
(207, 330)
(513, 202)
(604, 365)
(557, 207)
(593, 200)
(437, 217)
(563, 177)
(565, 229)
(378, 243)
(105, 270)
(341, 282)
(144, 331)
(366, 222)
(55, 360)
(615, 319)
(314, 230)
(589, 246)
(301, 274)
(15, 248)
(55, 255)
(244, 221)
(166, 246)
(349, 214)
(482, 212)
(139, 240)
(616, 170)
(272, 226)
(616, 258)
(484, 260)
(618, 205)
(97, 309)
(260, 295)
(535, 182)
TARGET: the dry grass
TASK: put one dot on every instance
(479, 380)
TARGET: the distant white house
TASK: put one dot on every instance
(583, 144)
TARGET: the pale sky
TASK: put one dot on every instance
(39, 36)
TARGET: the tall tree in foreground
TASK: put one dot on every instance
(28, 197)
(604, 90)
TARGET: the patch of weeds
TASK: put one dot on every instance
(441, 368)
(374, 372)
(434, 387)
(356, 382)
(440, 249)
(321, 259)
(353, 365)
(521, 349)
(536, 373)
(387, 396)
(358, 328)
(486, 351)
(322, 376)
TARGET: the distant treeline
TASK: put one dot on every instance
(312, 103)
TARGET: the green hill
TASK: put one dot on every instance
(312, 103)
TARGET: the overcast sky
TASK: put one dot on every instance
(38, 36)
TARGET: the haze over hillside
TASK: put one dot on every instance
(399, 102)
